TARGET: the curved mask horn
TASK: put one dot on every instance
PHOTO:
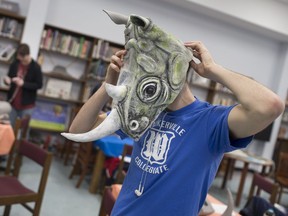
(117, 18)
(230, 206)
(118, 93)
(108, 126)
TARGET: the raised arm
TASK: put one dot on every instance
(89, 115)
(258, 106)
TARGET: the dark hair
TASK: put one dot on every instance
(23, 50)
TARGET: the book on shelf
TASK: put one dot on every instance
(50, 115)
(10, 28)
(97, 70)
(58, 88)
(55, 40)
(103, 50)
(89, 89)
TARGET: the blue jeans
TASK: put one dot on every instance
(19, 113)
(257, 206)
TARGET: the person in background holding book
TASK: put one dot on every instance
(24, 78)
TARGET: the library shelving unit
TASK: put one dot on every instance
(11, 29)
(216, 93)
(73, 65)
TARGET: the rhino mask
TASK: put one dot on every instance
(153, 73)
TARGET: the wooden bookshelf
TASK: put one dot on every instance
(55, 52)
(61, 77)
(59, 46)
(11, 15)
(51, 99)
(11, 29)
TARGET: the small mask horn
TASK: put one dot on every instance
(117, 18)
(118, 93)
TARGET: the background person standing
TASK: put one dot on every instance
(24, 78)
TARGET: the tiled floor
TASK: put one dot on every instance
(62, 198)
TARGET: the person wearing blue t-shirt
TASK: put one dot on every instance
(174, 163)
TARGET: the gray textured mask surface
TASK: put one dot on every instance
(153, 74)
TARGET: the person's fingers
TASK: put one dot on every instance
(121, 53)
(193, 64)
(196, 45)
(116, 60)
(115, 67)
(196, 54)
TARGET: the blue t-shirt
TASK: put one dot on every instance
(176, 161)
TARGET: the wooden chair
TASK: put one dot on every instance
(12, 191)
(107, 203)
(70, 148)
(281, 175)
(261, 183)
(85, 158)
(20, 130)
(121, 172)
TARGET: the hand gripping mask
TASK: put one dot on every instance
(153, 74)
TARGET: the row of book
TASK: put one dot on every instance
(97, 70)
(67, 44)
(103, 50)
(10, 28)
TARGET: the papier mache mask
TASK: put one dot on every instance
(153, 73)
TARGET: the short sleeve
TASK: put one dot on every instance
(218, 131)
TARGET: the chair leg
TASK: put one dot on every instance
(75, 170)
(37, 208)
(7, 210)
(67, 153)
(280, 194)
(83, 174)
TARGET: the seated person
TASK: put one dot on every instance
(257, 206)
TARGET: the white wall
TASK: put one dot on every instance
(245, 51)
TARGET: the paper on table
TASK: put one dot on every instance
(220, 208)
(239, 153)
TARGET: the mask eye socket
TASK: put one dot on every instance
(149, 90)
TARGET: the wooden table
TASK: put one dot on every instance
(7, 138)
(247, 159)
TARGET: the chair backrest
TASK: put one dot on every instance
(20, 131)
(107, 203)
(264, 184)
(38, 155)
(282, 166)
(127, 151)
